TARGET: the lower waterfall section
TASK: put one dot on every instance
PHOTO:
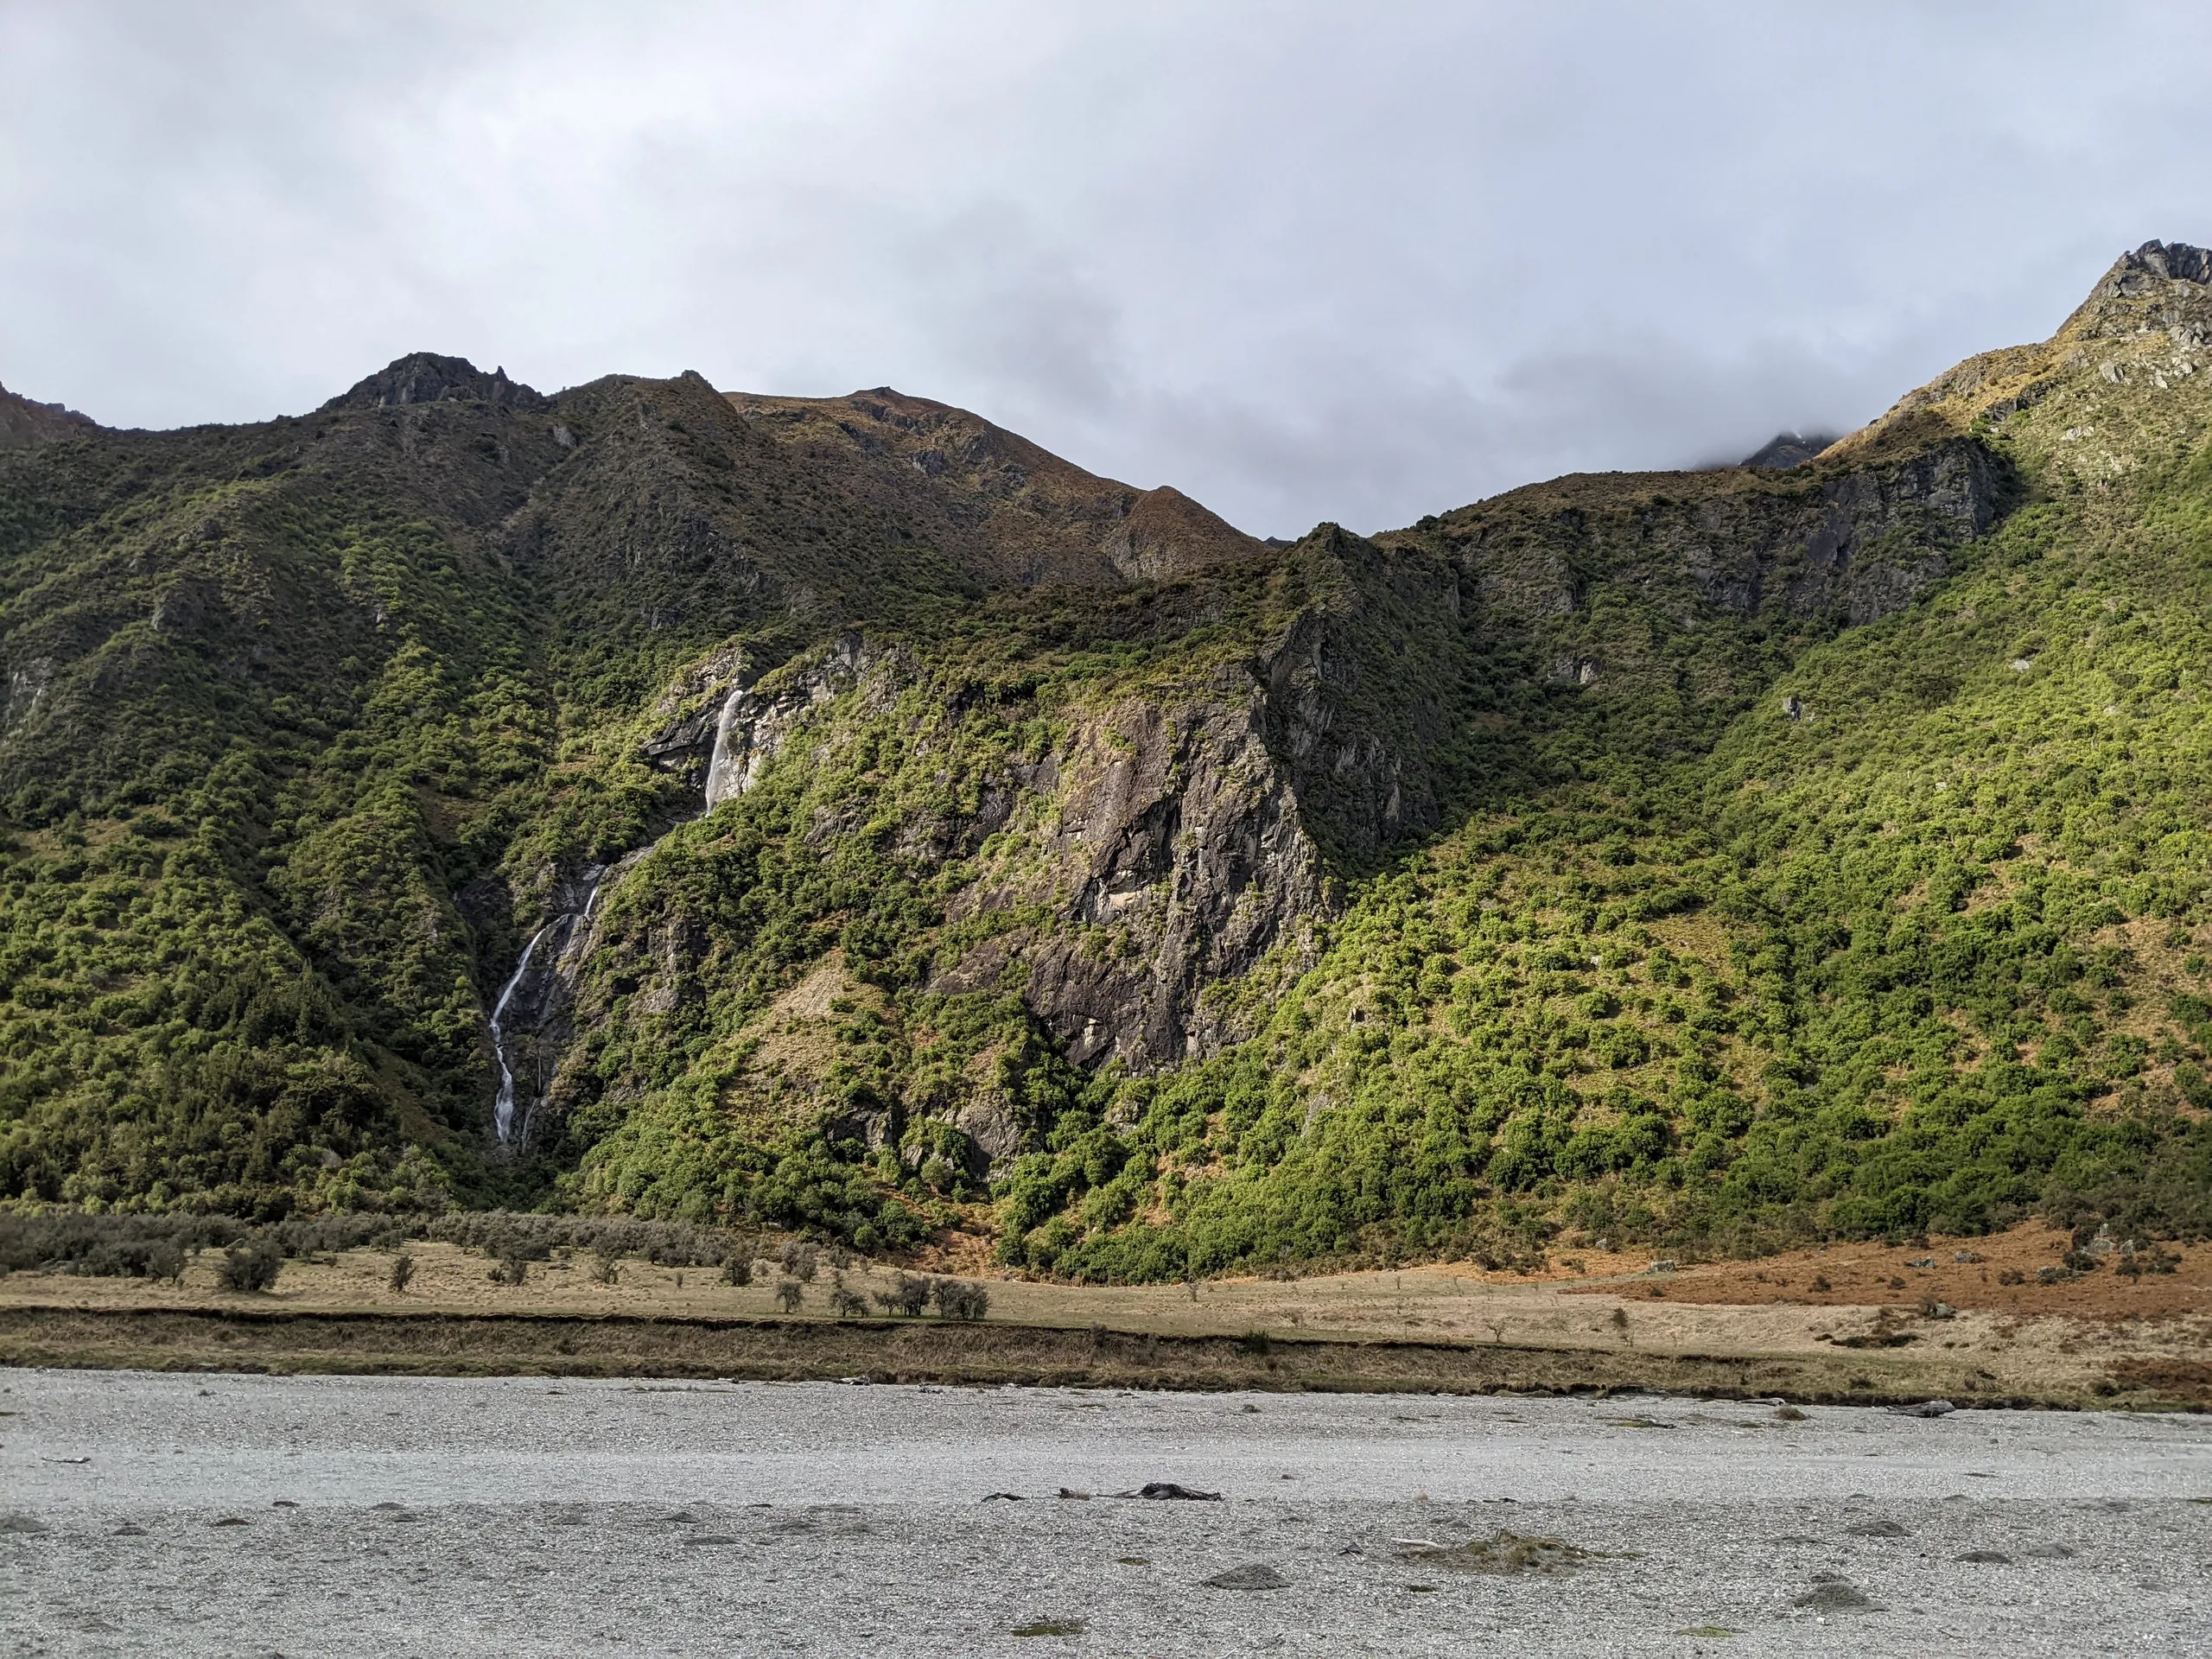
(535, 991)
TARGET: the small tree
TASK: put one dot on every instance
(789, 1295)
(798, 1260)
(607, 1265)
(737, 1268)
(253, 1265)
(846, 1303)
(957, 1299)
(908, 1295)
(403, 1272)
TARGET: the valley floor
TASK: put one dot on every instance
(1850, 1323)
(184, 1514)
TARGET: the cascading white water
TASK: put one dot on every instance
(577, 922)
(502, 1112)
(719, 781)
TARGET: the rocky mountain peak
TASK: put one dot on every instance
(1788, 449)
(427, 378)
(2176, 261)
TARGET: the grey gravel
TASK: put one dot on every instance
(587, 1517)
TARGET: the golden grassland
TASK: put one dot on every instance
(1854, 1322)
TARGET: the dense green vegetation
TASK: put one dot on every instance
(1718, 860)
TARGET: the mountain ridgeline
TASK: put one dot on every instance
(842, 814)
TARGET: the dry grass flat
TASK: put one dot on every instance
(1997, 1274)
(1606, 1320)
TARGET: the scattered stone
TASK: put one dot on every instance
(284, 1503)
(387, 1505)
(2048, 1553)
(1788, 1414)
(1257, 1576)
(1635, 1422)
(1878, 1529)
(1075, 1493)
(1010, 1498)
(1796, 1538)
(231, 1521)
(1169, 1489)
(1924, 1408)
(1986, 1557)
(1922, 1262)
(710, 1538)
(1833, 1593)
(1053, 1627)
(1503, 1553)
(1133, 1560)
(1660, 1267)
(1965, 1258)
(15, 1521)
(128, 1530)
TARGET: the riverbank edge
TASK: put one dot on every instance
(988, 1354)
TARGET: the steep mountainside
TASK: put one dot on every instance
(843, 813)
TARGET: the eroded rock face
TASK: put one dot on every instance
(1865, 543)
(1178, 859)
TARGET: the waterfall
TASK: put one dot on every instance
(719, 782)
(574, 925)
(502, 1113)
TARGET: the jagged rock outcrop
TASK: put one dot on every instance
(427, 378)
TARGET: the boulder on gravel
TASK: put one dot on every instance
(1833, 1593)
(1257, 1576)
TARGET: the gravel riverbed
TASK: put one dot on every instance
(226, 1515)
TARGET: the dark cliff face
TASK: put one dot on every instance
(1176, 859)
(1853, 543)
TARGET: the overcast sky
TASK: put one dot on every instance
(1357, 262)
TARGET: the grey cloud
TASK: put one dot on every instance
(1303, 261)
